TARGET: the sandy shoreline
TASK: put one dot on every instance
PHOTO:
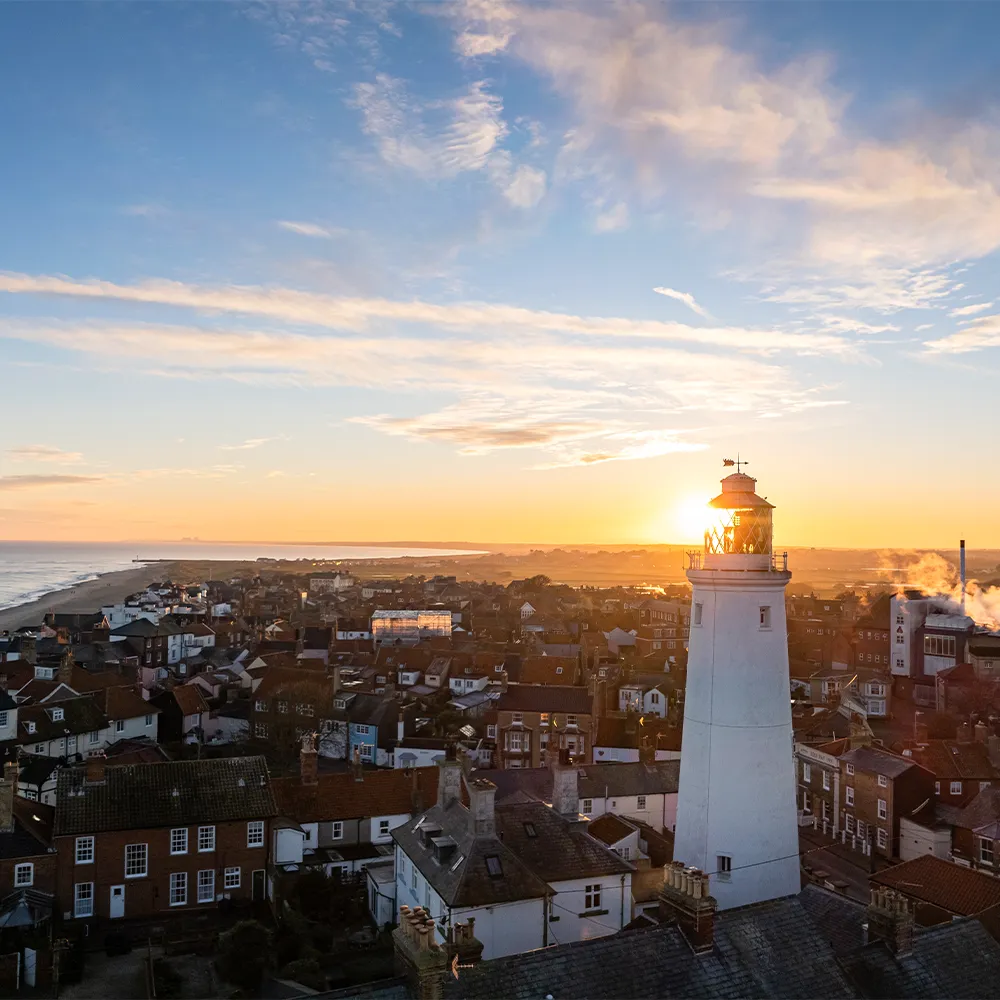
(108, 588)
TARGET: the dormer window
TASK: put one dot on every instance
(31, 727)
(517, 718)
(58, 715)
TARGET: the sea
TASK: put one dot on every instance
(30, 569)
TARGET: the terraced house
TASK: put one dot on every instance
(143, 840)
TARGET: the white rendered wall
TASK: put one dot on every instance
(737, 778)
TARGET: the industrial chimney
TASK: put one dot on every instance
(961, 570)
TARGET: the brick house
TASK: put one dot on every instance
(961, 767)
(528, 714)
(289, 701)
(975, 831)
(27, 860)
(878, 787)
(146, 840)
(870, 635)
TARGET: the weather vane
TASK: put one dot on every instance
(738, 462)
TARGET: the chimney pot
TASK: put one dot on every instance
(96, 764)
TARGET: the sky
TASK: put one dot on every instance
(498, 272)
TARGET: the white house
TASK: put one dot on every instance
(643, 699)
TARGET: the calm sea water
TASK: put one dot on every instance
(30, 569)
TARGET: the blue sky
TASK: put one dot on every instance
(495, 271)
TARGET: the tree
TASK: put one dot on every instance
(245, 954)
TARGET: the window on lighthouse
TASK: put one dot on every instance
(765, 617)
(697, 614)
(724, 867)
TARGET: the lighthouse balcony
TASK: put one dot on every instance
(767, 562)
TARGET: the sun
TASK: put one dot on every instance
(690, 519)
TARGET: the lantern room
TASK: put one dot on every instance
(740, 521)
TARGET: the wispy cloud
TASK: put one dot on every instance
(971, 310)
(34, 482)
(611, 219)
(686, 297)
(252, 443)
(981, 333)
(306, 229)
(43, 453)
(357, 314)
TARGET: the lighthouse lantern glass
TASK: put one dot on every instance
(739, 531)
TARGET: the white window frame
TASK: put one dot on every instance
(640, 802)
(849, 796)
(260, 706)
(119, 726)
(806, 772)
(826, 781)
(149, 720)
(260, 730)
(362, 730)
(206, 885)
(83, 899)
(586, 806)
(337, 830)
(955, 788)
(178, 888)
(592, 897)
(206, 839)
(255, 833)
(179, 840)
(883, 781)
(136, 860)
(883, 809)
(93, 738)
(87, 846)
(985, 847)
(383, 828)
(232, 877)
(24, 874)
(850, 768)
(58, 715)
(491, 731)
(882, 838)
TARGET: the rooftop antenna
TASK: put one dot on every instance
(961, 571)
(738, 462)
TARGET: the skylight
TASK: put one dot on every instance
(493, 867)
(529, 829)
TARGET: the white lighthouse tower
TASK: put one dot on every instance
(736, 816)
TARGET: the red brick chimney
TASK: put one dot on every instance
(309, 760)
(96, 763)
(418, 956)
(685, 897)
(8, 792)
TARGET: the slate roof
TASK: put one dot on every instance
(982, 814)
(954, 761)
(768, 950)
(32, 833)
(545, 698)
(949, 886)
(171, 793)
(464, 880)
(558, 848)
(593, 781)
(878, 761)
(190, 699)
(80, 715)
(340, 796)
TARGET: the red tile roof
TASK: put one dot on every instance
(537, 669)
(951, 887)
(610, 829)
(190, 699)
(341, 797)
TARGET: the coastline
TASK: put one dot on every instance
(106, 588)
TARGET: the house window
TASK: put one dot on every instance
(119, 726)
(84, 850)
(517, 718)
(135, 860)
(361, 730)
(586, 806)
(206, 885)
(94, 738)
(282, 707)
(806, 772)
(514, 741)
(24, 874)
(882, 837)
(337, 830)
(697, 614)
(937, 787)
(83, 899)
(724, 867)
(543, 718)
(304, 709)
(956, 788)
(765, 617)
(149, 721)
(413, 880)
(592, 897)
(849, 823)
(39, 748)
(178, 888)
(383, 828)
(883, 809)
(826, 781)
(58, 715)
(367, 751)
(491, 732)
(640, 802)
(232, 878)
(849, 796)
(850, 769)
(260, 730)
(31, 727)
(260, 706)
(206, 839)
(654, 697)
(3, 719)
(179, 841)
(559, 670)
(571, 720)
(985, 851)
(255, 833)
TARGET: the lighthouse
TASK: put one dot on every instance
(736, 816)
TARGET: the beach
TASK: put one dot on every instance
(108, 588)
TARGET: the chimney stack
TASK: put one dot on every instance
(356, 768)
(482, 809)
(964, 734)
(565, 795)
(463, 944)
(309, 760)
(96, 765)
(65, 673)
(418, 956)
(449, 779)
(685, 897)
(981, 732)
(890, 917)
(8, 792)
(28, 649)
